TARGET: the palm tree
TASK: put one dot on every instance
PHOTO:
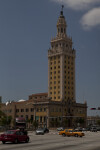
(35, 124)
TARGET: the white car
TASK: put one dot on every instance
(60, 129)
(40, 131)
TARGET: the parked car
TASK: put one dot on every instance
(93, 129)
(46, 130)
(60, 129)
(14, 136)
(78, 129)
(71, 132)
(40, 131)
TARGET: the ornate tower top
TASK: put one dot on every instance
(61, 12)
(61, 25)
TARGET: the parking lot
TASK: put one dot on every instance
(54, 141)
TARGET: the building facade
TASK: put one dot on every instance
(58, 107)
(61, 65)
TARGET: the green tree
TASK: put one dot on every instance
(80, 121)
(65, 122)
(98, 122)
(35, 124)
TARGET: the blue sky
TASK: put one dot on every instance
(26, 28)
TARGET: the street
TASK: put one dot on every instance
(53, 141)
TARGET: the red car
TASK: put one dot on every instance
(14, 136)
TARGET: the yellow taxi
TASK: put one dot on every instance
(71, 132)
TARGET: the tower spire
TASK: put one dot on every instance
(62, 7)
(61, 12)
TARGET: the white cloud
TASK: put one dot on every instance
(78, 4)
(91, 18)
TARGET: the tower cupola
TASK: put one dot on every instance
(61, 25)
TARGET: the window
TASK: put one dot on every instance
(58, 71)
(56, 45)
(32, 109)
(45, 109)
(40, 118)
(44, 118)
(58, 66)
(61, 30)
(54, 82)
(37, 109)
(31, 117)
(59, 109)
(56, 109)
(22, 110)
(27, 110)
(26, 117)
(58, 76)
(40, 109)
(54, 77)
(17, 110)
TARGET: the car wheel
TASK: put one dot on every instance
(80, 136)
(63, 134)
(16, 141)
(27, 140)
(76, 135)
(3, 142)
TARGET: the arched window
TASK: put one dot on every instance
(61, 30)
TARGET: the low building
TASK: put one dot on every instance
(46, 112)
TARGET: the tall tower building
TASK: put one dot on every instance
(61, 64)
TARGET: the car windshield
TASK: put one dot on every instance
(40, 129)
(9, 132)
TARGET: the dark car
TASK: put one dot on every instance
(14, 136)
(93, 129)
(46, 130)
